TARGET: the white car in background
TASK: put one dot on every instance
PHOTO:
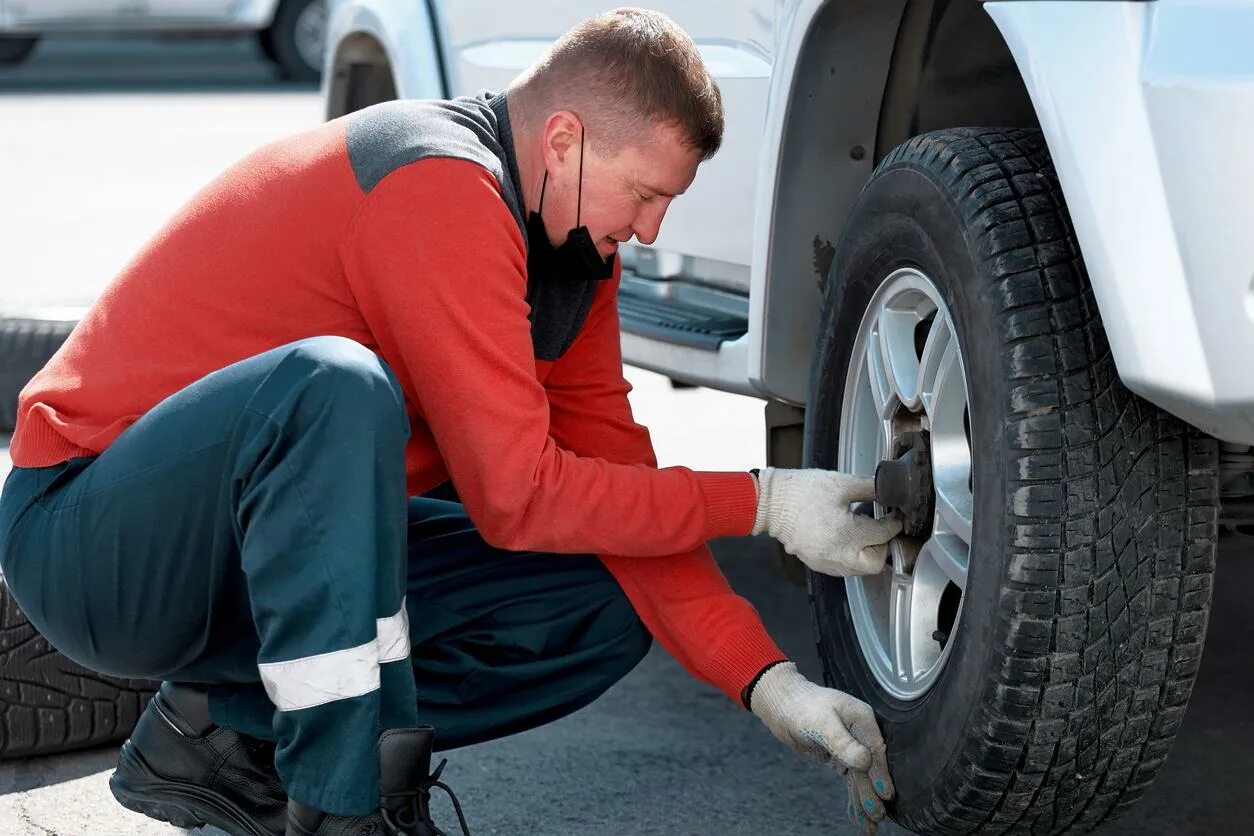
(292, 33)
(1011, 239)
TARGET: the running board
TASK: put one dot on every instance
(681, 313)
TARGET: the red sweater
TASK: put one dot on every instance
(427, 269)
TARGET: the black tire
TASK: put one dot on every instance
(1093, 548)
(51, 704)
(16, 49)
(279, 42)
(26, 344)
(266, 42)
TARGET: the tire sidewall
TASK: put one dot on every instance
(281, 37)
(905, 218)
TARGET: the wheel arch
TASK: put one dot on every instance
(382, 51)
(852, 80)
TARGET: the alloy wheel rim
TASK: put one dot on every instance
(311, 33)
(906, 374)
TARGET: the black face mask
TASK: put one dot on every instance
(577, 259)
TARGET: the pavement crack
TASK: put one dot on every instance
(31, 824)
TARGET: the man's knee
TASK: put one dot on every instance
(348, 372)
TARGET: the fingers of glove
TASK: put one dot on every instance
(854, 488)
(873, 531)
(857, 811)
(870, 803)
(881, 781)
(860, 720)
(842, 745)
(869, 560)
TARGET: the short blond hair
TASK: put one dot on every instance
(621, 69)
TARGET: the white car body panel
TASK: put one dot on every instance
(1148, 109)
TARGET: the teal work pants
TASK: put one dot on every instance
(253, 532)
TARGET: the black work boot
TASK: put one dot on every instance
(405, 782)
(179, 767)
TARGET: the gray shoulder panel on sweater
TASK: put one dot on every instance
(387, 136)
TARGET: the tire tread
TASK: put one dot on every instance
(49, 703)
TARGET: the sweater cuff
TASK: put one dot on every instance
(741, 658)
(37, 444)
(746, 694)
(731, 503)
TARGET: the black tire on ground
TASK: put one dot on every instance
(1095, 513)
(278, 42)
(26, 343)
(16, 49)
(51, 704)
(266, 42)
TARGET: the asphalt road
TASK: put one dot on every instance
(102, 139)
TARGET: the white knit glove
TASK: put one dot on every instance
(831, 727)
(807, 511)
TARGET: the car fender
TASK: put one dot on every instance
(406, 31)
(838, 53)
(1147, 109)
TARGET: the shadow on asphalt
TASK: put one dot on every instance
(107, 65)
(25, 774)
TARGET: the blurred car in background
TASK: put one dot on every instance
(292, 33)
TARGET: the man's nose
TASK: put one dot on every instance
(649, 223)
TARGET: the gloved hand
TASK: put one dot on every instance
(831, 727)
(807, 511)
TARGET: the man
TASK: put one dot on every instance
(220, 478)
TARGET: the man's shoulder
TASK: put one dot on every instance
(387, 136)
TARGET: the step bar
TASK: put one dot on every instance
(681, 313)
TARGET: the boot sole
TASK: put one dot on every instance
(181, 804)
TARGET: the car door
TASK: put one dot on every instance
(65, 14)
(707, 232)
(189, 11)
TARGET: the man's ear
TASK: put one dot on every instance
(560, 137)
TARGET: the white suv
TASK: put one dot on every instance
(1006, 245)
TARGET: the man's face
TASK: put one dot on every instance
(625, 193)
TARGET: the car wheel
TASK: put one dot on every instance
(266, 42)
(26, 343)
(15, 49)
(51, 704)
(1030, 652)
(296, 40)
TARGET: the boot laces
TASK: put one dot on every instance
(408, 817)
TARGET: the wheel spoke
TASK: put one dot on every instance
(950, 554)
(938, 350)
(901, 364)
(882, 394)
(951, 451)
(899, 633)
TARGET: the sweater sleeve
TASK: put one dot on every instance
(437, 266)
(683, 598)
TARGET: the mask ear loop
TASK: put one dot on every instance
(544, 184)
(579, 199)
